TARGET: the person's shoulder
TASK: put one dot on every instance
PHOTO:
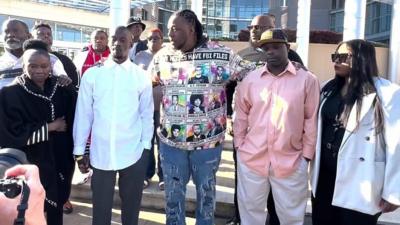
(386, 88)
(10, 90)
(294, 57)
(62, 57)
(93, 71)
(217, 46)
(3, 56)
(164, 53)
(302, 71)
(254, 75)
(143, 54)
(244, 52)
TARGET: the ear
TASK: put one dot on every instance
(192, 30)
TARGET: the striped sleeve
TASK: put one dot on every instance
(40, 135)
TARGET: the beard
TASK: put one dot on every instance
(13, 45)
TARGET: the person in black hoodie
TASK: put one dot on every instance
(37, 116)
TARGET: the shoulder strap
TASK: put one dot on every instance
(23, 205)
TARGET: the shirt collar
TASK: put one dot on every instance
(10, 61)
(10, 55)
(111, 63)
(290, 69)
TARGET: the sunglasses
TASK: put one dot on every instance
(341, 57)
(257, 27)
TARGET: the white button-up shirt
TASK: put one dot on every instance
(115, 104)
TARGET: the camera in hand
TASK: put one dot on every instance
(9, 157)
(11, 188)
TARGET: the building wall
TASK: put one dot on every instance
(319, 18)
(53, 13)
(221, 18)
(319, 59)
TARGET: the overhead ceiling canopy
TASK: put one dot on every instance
(101, 6)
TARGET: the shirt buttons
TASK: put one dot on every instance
(367, 138)
(362, 159)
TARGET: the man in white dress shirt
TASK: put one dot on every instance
(115, 103)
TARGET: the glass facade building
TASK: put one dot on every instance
(64, 32)
(221, 18)
(377, 23)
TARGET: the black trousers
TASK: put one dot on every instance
(151, 166)
(54, 215)
(130, 185)
(324, 213)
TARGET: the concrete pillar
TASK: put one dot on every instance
(394, 51)
(119, 13)
(303, 29)
(197, 7)
(354, 19)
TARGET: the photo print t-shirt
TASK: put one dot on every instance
(194, 101)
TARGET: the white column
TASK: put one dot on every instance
(354, 19)
(303, 29)
(119, 13)
(197, 8)
(394, 51)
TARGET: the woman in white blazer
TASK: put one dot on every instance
(356, 170)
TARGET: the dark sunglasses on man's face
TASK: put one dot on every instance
(257, 27)
(341, 57)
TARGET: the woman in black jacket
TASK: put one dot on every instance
(36, 116)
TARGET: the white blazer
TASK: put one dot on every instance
(366, 172)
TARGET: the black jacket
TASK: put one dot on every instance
(69, 67)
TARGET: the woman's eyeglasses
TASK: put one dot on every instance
(340, 57)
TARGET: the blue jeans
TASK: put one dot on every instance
(178, 165)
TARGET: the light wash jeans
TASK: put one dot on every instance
(178, 165)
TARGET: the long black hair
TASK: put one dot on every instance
(364, 69)
(190, 17)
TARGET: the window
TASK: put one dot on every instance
(233, 28)
(378, 18)
(341, 4)
(145, 14)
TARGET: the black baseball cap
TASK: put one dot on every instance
(135, 20)
(273, 36)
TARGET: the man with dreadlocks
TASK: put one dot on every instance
(188, 54)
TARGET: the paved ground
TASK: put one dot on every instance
(82, 216)
(153, 200)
